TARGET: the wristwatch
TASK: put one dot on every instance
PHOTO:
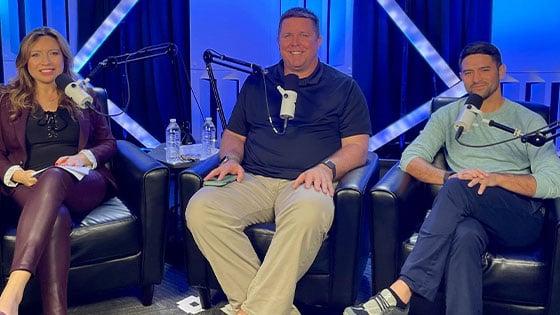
(330, 164)
(227, 158)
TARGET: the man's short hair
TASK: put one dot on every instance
(300, 13)
(483, 48)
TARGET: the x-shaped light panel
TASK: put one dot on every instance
(395, 12)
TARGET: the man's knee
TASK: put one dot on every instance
(314, 212)
(196, 211)
(454, 195)
(454, 185)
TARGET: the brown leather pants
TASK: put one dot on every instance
(44, 226)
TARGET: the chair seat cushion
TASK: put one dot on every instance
(517, 275)
(261, 236)
(109, 231)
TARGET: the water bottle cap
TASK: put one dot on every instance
(172, 120)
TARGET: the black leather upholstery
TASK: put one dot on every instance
(333, 279)
(121, 242)
(515, 281)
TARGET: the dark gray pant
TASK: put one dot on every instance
(455, 235)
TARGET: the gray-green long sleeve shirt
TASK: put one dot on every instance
(513, 157)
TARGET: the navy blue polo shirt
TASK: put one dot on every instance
(330, 106)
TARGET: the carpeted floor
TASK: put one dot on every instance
(173, 289)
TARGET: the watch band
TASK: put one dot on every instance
(330, 164)
(227, 158)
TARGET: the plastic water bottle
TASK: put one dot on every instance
(172, 141)
(208, 137)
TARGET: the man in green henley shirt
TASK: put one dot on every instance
(492, 195)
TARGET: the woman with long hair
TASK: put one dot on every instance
(42, 128)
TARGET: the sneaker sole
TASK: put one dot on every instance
(349, 311)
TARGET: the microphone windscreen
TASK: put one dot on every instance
(474, 100)
(62, 80)
(291, 82)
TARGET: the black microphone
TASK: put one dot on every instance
(289, 96)
(74, 91)
(466, 117)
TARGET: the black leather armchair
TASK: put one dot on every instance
(333, 279)
(121, 242)
(515, 281)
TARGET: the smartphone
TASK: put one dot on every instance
(219, 183)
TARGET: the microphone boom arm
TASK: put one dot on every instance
(537, 138)
(144, 53)
(211, 56)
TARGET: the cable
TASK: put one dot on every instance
(486, 145)
(268, 109)
(507, 140)
(188, 78)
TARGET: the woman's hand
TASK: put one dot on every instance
(25, 178)
(73, 160)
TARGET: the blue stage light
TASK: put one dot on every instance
(102, 33)
(89, 49)
(410, 120)
(434, 60)
(419, 41)
(131, 126)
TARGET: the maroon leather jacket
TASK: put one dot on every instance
(95, 135)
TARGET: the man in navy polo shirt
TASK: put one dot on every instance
(284, 173)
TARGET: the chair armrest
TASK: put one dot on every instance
(553, 234)
(399, 204)
(190, 181)
(143, 185)
(349, 230)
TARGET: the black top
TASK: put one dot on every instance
(330, 106)
(50, 135)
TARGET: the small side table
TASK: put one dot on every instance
(176, 227)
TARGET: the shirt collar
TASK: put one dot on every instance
(314, 78)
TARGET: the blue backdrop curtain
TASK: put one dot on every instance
(394, 77)
(159, 87)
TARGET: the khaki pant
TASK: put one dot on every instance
(217, 217)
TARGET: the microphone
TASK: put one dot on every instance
(289, 96)
(466, 117)
(74, 91)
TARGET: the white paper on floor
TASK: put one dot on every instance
(190, 305)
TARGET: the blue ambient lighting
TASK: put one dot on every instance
(410, 120)
(102, 33)
(87, 51)
(434, 60)
(417, 39)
